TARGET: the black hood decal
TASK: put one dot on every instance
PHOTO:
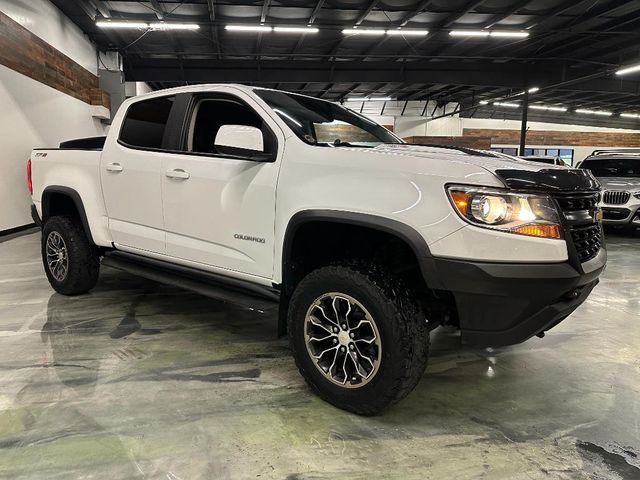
(550, 180)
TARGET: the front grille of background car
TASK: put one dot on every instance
(615, 213)
(616, 197)
(586, 236)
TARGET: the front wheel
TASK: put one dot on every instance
(71, 263)
(359, 338)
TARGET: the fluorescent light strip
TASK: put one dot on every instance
(484, 102)
(630, 115)
(507, 104)
(367, 99)
(624, 71)
(533, 89)
(548, 108)
(116, 24)
(248, 28)
(506, 34)
(469, 33)
(363, 31)
(296, 29)
(173, 26)
(593, 112)
(408, 33)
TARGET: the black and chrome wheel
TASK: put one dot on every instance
(56, 256)
(71, 263)
(358, 336)
(343, 339)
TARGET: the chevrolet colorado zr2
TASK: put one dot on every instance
(364, 243)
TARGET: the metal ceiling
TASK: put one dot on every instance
(572, 51)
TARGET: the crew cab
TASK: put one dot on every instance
(362, 242)
(619, 173)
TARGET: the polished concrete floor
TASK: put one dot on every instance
(138, 380)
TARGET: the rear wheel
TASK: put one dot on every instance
(71, 263)
(359, 338)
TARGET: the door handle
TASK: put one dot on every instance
(177, 173)
(114, 167)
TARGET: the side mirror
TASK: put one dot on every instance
(239, 139)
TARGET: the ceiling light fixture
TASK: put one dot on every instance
(548, 108)
(506, 34)
(533, 89)
(368, 99)
(296, 29)
(116, 24)
(507, 104)
(630, 115)
(469, 33)
(484, 102)
(408, 33)
(631, 69)
(594, 112)
(173, 26)
(248, 28)
(363, 31)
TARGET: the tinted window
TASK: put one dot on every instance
(145, 123)
(324, 123)
(613, 167)
(212, 113)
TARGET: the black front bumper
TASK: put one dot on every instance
(502, 304)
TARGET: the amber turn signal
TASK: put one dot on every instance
(546, 231)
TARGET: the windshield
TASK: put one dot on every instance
(319, 122)
(613, 167)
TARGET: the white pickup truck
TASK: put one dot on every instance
(363, 242)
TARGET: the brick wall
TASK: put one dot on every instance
(24, 52)
(558, 138)
(468, 141)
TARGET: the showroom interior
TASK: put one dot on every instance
(436, 169)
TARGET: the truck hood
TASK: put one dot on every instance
(487, 162)
(620, 183)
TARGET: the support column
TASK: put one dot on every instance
(523, 125)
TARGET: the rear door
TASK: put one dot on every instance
(131, 173)
(219, 209)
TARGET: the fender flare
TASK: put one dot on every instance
(75, 198)
(408, 234)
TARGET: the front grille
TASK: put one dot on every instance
(616, 197)
(615, 213)
(587, 241)
(576, 203)
(579, 212)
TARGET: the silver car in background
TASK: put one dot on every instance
(619, 173)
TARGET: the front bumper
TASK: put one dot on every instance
(621, 214)
(504, 303)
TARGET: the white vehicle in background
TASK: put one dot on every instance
(549, 160)
(619, 173)
(363, 242)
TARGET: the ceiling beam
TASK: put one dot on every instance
(502, 16)
(157, 9)
(315, 12)
(417, 11)
(454, 17)
(367, 11)
(449, 73)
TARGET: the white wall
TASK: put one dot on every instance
(43, 19)
(33, 114)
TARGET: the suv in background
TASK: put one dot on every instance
(619, 173)
(545, 159)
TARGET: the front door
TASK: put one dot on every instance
(219, 209)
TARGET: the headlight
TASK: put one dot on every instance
(520, 213)
(637, 194)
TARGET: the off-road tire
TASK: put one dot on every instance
(400, 321)
(83, 258)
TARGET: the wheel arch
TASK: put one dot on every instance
(403, 232)
(54, 193)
